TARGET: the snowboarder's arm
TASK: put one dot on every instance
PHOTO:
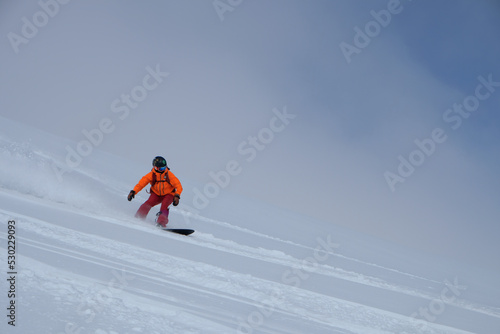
(145, 180)
(174, 181)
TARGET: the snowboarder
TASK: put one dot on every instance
(165, 189)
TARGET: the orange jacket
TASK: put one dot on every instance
(161, 183)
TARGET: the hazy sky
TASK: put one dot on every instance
(197, 82)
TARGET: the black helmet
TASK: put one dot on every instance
(159, 163)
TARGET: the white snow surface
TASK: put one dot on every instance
(84, 264)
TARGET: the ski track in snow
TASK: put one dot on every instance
(82, 271)
(261, 235)
(153, 268)
(277, 257)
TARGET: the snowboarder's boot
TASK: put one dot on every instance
(161, 219)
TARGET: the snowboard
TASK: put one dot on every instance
(183, 231)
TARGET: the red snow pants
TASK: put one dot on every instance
(154, 200)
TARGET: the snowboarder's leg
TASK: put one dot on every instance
(165, 203)
(143, 210)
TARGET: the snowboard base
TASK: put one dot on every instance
(183, 231)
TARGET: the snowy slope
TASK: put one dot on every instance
(85, 265)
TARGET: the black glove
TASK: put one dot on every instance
(131, 195)
(175, 202)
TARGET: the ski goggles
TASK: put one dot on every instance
(160, 169)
